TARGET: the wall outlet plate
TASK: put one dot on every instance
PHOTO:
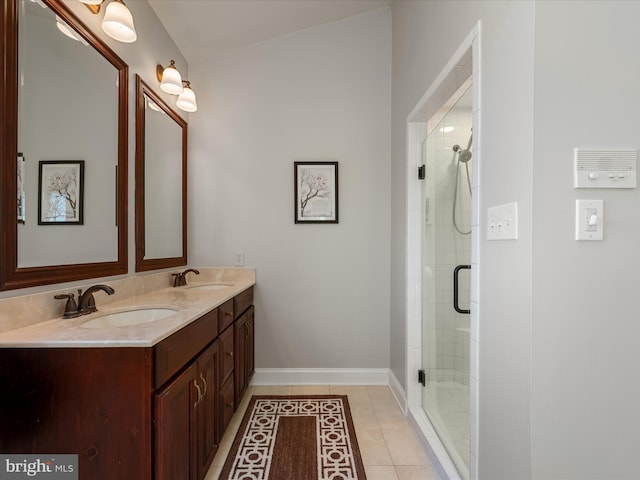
(502, 222)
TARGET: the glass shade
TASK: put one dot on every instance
(187, 100)
(171, 80)
(118, 23)
(152, 105)
(92, 2)
(66, 29)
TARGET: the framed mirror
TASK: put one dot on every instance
(161, 182)
(64, 148)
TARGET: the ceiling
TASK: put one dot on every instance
(202, 28)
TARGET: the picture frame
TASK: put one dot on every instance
(61, 192)
(316, 192)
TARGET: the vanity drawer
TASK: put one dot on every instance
(226, 315)
(242, 301)
(175, 351)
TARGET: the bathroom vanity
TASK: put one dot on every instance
(148, 401)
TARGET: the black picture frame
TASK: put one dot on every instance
(316, 192)
(61, 192)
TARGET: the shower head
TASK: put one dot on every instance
(464, 154)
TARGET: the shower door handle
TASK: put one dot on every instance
(456, 271)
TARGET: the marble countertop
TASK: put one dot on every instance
(190, 304)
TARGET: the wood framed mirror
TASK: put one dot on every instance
(161, 182)
(64, 102)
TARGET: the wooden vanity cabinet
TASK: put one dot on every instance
(131, 412)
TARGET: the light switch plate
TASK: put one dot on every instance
(585, 210)
(502, 222)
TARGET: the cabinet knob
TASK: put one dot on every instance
(230, 404)
(230, 354)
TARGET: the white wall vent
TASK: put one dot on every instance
(605, 168)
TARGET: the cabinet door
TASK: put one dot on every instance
(174, 407)
(208, 363)
(249, 354)
(227, 405)
(239, 369)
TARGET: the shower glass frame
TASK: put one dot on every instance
(445, 332)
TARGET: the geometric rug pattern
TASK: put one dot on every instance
(307, 437)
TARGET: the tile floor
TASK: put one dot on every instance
(390, 448)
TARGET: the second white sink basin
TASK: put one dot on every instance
(208, 286)
(129, 317)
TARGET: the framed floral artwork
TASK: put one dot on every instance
(316, 192)
(60, 192)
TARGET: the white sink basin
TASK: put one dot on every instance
(208, 286)
(129, 317)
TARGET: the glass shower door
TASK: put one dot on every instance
(446, 254)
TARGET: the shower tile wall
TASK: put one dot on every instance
(446, 248)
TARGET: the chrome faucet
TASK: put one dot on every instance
(180, 279)
(86, 302)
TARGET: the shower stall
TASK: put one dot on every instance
(446, 262)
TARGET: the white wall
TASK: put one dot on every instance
(322, 294)
(586, 387)
(425, 36)
(558, 383)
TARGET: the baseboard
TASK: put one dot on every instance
(321, 376)
(398, 392)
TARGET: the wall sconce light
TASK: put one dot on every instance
(152, 105)
(187, 99)
(117, 21)
(169, 78)
(171, 82)
(69, 32)
(95, 4)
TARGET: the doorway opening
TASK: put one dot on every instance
(442, 229)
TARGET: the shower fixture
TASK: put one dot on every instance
(464, 155)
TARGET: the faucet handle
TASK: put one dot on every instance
(71, 308)
(179, 278)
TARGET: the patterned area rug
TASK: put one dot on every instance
(299, 437)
